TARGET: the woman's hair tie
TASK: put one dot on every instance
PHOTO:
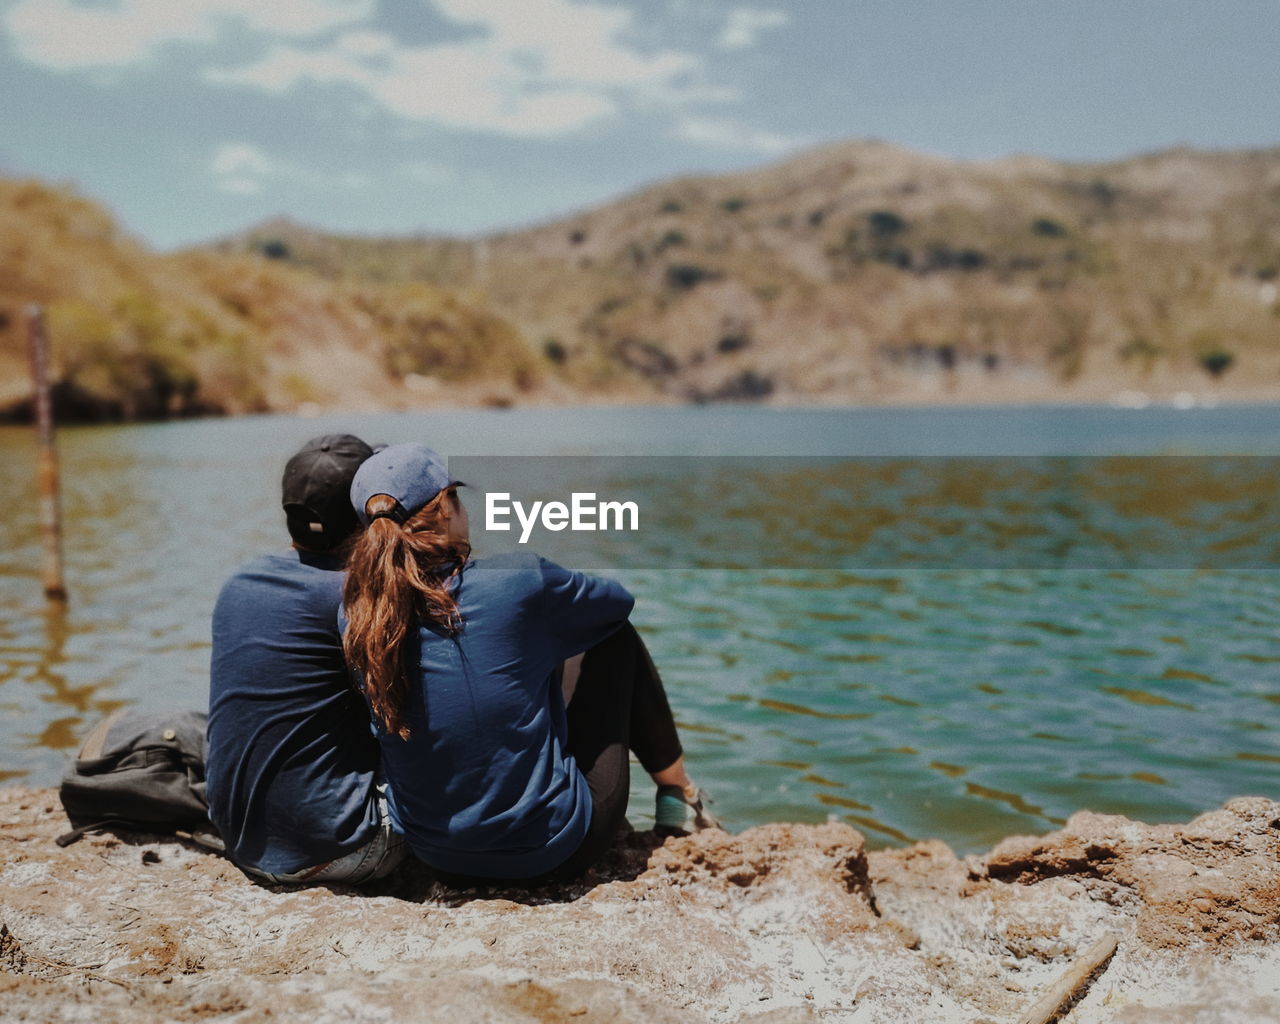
(395, 514)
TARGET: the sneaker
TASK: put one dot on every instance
(673, 808)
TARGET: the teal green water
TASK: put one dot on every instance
(962, 703)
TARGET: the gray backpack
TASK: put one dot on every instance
(140, 771)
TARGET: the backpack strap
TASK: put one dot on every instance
(67, 838)
(208, 839)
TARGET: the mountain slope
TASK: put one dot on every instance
(864, 271)
(136, 334)
(859, 272)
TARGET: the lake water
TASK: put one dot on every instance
(921, 646)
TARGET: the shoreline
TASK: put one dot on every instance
(1182, 401)
(780, 924)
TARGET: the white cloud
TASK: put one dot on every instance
(242, 169)
(529, 68)
(367, 45)
(536, 68)
(65, 35)
(565, 41)
(241, 158)
(727, 134)
(744, 26)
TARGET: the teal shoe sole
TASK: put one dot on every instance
(670, 812)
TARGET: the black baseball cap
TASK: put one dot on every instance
(316, 490)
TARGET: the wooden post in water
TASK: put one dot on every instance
(50, 510)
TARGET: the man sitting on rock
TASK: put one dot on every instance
(292, 773)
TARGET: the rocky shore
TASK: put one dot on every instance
(778, 924)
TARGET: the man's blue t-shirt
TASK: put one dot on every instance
(292, 760)
(485, 786)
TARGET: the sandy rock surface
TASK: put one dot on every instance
(779, 924)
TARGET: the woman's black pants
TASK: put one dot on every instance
(619, 705)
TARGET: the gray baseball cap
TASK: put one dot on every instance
(410, 473)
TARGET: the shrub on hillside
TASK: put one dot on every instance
(1047, 228)
(554, 350)
(648, 358)
(1102, 191)
(131, 357)
(431, 333)
(1216, 361)
(684, 277)
(939, 256)
(747, 386)
(886, 224)
(274, 249)
(877, 238)
(1139, 349)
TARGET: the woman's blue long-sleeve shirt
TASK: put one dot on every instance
(485, 785)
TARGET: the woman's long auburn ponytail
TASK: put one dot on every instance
(398, 578)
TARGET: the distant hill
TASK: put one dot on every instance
(136, 334)
(860, 272)
(866, 272)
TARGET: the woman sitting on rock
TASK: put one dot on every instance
(490, 776)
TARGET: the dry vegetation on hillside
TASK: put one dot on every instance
(140, 335)
(860, 272)
(867, 272)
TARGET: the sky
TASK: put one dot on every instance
(192, 119)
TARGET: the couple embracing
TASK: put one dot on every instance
(376, 691)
